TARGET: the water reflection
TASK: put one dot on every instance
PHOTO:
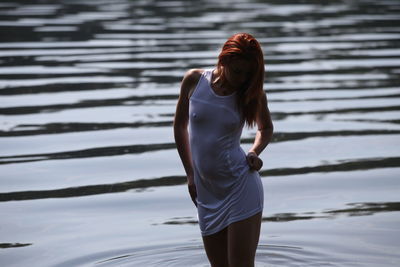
(355, 209)
(192, 255)
(137, 149)
(140, 184)
(93, 189)
(13, 245)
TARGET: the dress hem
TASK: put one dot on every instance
(233, 220)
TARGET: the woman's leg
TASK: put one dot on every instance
(216, 246)
(243, 239)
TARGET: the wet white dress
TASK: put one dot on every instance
(227, 190)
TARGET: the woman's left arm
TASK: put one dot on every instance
(263, 135)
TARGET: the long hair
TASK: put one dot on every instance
(245, 46)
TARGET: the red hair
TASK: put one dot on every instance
(245, 46)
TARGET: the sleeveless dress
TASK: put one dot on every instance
(227, 190)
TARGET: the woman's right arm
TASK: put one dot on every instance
(181, 121)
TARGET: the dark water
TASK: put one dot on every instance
(89, 174)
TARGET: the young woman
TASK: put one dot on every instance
(223, 181)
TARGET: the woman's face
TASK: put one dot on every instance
(237, 72)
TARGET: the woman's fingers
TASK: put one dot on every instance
(257, 164)
(254, 161)
(260, 164)
(250, 160)
(193, 193)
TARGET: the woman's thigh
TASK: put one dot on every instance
(243, 239)
(216, 246)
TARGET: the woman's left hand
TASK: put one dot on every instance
(254, 161)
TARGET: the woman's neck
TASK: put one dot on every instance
(221, 86)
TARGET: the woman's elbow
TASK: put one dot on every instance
(267, 131)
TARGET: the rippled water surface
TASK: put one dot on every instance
(89, 173)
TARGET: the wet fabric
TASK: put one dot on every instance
(227, 190)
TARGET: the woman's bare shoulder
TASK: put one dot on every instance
(193, 75)
(190, 81)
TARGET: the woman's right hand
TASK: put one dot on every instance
(192, 191)
(254, 161)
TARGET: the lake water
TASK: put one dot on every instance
(89, 173)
